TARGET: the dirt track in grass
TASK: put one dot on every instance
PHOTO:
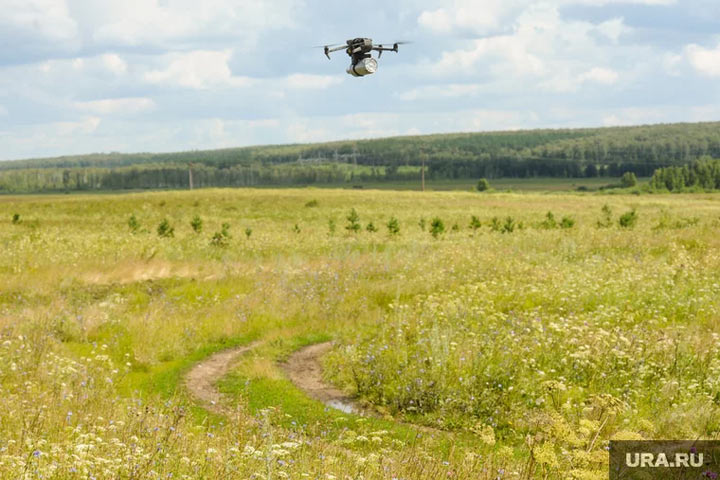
(202, 378)
(303, 368)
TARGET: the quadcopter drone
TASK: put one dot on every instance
(359, 51)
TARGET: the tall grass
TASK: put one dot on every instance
(97, 325)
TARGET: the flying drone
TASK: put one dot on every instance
(359, 51)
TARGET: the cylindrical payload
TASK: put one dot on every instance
(363, 67)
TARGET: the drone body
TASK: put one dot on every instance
(359, 50)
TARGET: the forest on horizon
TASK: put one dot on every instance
(561, 153)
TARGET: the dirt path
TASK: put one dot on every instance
(304, 370)
(201, 379)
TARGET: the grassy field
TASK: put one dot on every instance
(514, 346)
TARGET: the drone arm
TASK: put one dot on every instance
(381, 49)
(329, 50)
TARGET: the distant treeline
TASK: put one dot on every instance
(703, 174)
(536, 153)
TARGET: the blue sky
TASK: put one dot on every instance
(82, 76)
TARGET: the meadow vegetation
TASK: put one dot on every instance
(496, 335)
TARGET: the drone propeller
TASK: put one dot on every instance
(329, 45)
(402, 42)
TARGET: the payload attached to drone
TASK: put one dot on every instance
(359, 51)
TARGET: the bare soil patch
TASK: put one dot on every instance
(303, 368)
(201, 379)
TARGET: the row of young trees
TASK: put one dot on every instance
(703, 174)
(537, 153)
(178, 177)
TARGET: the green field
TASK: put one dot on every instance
(513, 346)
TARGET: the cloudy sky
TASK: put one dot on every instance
(82, 76)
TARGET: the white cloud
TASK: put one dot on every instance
(308, 81)
(704, 60)
(85, 126)
(554, 53)
(299, 130)
(613, 29)
(638, 116)
(671, 63)
(479, 17)
(143, 22)
(620, 2)
(114, 63)
(449, 90)
(502, 119)
(117, 106)
(199, 69)
(512, 52)
(158, 74)
(604, 76)
(90, 65)
(49, 19)
(490, 16)
(383, 124)
(263, 123)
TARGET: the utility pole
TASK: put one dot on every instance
(190, 179)
(422, 171)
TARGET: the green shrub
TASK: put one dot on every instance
(196, 223)
(353, 224)
(567, 222)
(223, 237)
(495, 224)
(606, 220)
(509, 225)
(248, 232)
(371, 228)
(475, 223)
(455, 227)
(483, 185)
(628, 219)
(296, 228)
(628, 180)
(165, 230)
(133, 224)
(549, 222)
(16, 218)
(422, 223)
(393, 226)
(437, 227)
(312, 204)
